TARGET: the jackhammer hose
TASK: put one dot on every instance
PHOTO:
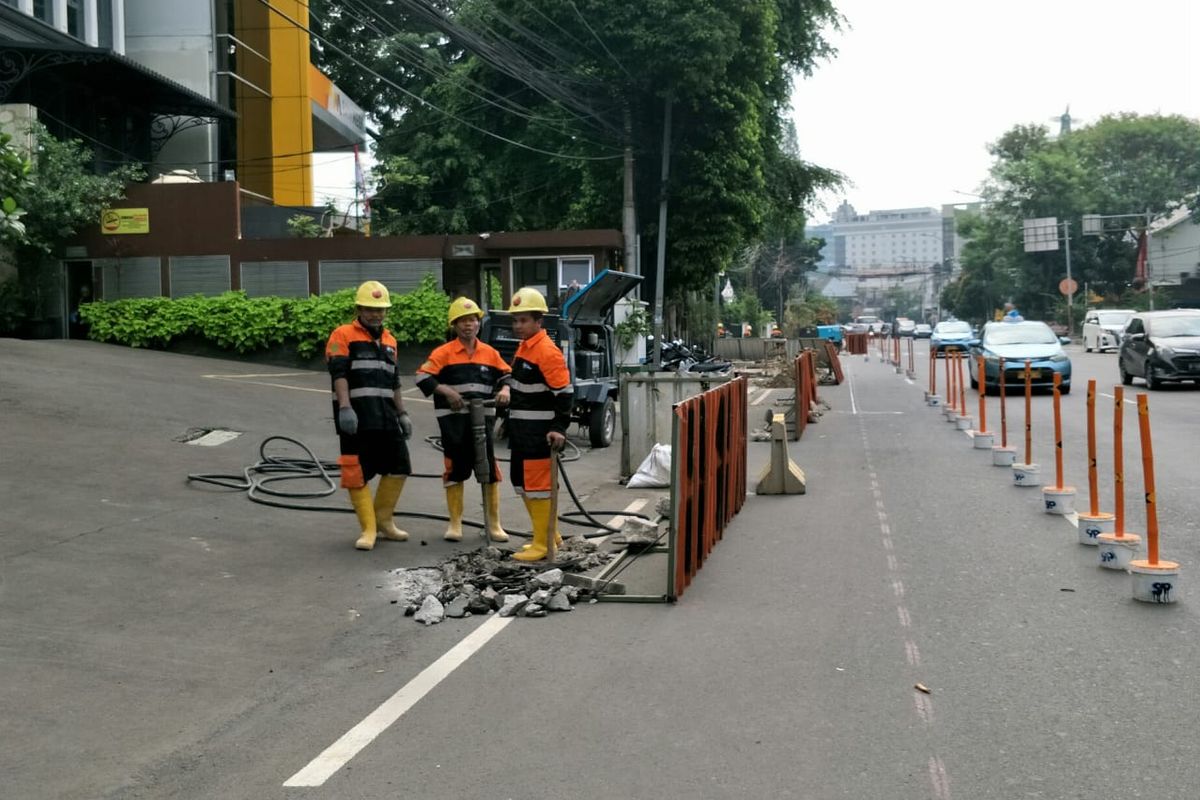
(256, 479)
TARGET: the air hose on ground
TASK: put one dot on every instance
(261, 482)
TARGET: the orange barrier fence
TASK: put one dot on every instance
(805, 372)
(856, 344)
(708, 477)
(835, 363)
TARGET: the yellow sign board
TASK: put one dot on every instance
(125, 220)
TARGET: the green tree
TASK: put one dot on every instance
(558, 81)
(1123, 164)
(64, 194)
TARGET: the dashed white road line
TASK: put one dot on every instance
(1112, 397)
(618, 521)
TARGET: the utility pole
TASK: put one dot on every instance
(661, 265)
(628, 211)
(1070, 295)
(1149, 278)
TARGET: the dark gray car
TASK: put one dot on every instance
(1161, 346)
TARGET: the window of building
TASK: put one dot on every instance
(104, 23)
(551, 275)
(44, 10)
(75, 18)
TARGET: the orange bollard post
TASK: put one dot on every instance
(963, 421)
(1095, 522)
(982, 439)
(1059, 498)
(1154, 580)
(1003, 456)
(931, 396)
(1116, 549)
(1027, 473)
(951, 390)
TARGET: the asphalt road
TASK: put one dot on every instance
(161, 641)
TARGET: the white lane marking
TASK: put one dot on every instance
(898, 588)
(924, 707)
(910, 381)
(1072, 518)
(758, 398)
(619, 520)
(321, 768)
(939, 779)
(1111, 397)
(264, 375)
(885, 529)
(893, 564)
(912, 653)
(887, 544)
(853, 405)
(905, 617)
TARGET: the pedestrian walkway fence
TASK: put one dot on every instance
(856, 344)
(708, 485)
(708, 488)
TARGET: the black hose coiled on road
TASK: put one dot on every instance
(256, 479)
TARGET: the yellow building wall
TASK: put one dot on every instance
(275, 139)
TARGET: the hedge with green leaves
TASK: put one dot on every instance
(233, 321)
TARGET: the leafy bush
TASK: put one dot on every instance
(243, 324)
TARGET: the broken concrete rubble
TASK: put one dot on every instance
(484, 581)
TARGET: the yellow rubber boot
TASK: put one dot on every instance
(557, 532)
(386, 496)
(454, 504)
(491, 497)
(360, 498)
(539, 515)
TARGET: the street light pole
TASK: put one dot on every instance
(1071, 293)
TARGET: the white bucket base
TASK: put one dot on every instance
(934, 400)
(983, 440)
(1092, 526)
(1026, 475)
(899, 370)
(1059, 499)
(951, 413)
(1155, 583)
(1003, 456)
(1117, 553)
(963, 422)
(910, 374)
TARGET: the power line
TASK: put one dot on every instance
(417, 57)
(431, 105)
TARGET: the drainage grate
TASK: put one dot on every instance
(208, 437)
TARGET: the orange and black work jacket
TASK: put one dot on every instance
(369, 367)
(542, 395)
(474, 376)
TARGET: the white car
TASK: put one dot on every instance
(1102, 328)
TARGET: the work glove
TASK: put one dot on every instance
(347, 421)
(405, 425)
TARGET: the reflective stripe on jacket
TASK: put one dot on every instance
(542, 395)
(369, 367)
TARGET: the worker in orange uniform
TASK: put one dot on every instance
(538, 417)
(455, 373)
(372, 426)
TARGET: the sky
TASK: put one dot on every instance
(920, 87)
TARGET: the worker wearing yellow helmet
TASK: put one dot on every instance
(455, 373)
(372, 426)
(542, 397)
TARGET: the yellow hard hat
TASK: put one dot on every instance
(464, 307)
(373, 294)
(527, 299)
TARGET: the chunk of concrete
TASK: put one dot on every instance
(431, 612)
(559, 602)
(541, 597)
(457, 607)
(590, 584)
(512, 604)
(550, 579)
(532, 610)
